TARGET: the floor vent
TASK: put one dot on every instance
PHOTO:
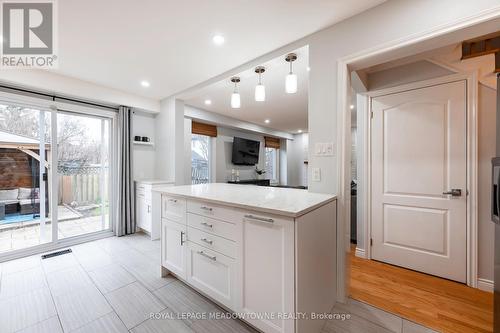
(55, 254)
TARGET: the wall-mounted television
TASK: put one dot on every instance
(245, 152)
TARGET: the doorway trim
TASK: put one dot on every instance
(471, 161)
(344, 127)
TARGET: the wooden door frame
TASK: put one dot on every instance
(365, 194)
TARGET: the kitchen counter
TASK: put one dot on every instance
(281, 201)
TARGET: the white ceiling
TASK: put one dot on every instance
(118, 43)
(286, 112)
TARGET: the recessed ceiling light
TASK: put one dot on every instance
(308, 68)
(267, 121)
(218, 39)
(145, 84)
(300, 131)
(208, 102)
(352, 106)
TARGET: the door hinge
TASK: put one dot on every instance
(371, 241)
(371, 114)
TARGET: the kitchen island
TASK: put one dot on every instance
(267, 254)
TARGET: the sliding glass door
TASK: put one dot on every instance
(25, 176)
(55, 174)
(83, 167)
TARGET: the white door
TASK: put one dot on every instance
(173, 248)
(419, 154)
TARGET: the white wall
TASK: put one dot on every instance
(414, 72)
(170, 152)
(143, 159)
(283, 162)
(187, 150)
(297, 153)
(486, 149)
(224, 149)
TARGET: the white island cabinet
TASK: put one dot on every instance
(265, 253)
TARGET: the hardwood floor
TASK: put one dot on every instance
(440, 304)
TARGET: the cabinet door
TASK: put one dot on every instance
(148, 216)
(212, 273)
(268, 272)
(139, 211)
(173, 248)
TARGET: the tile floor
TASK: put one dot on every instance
(114, 285)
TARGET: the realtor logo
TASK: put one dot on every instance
(28, 34)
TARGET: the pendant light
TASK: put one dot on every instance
(260, 89)
(235, 97)
(291, 79)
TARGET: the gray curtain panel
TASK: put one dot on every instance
(126, 205)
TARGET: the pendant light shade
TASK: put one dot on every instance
(260, 93)
(291, 83)
(291, 79)
(260, 89)
(235, 100)
(235, 97)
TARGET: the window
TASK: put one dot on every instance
(272, 164)
(200, 159)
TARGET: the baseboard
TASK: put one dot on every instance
(360, 253)
(484, 284)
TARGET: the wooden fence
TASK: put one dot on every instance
(82, 188)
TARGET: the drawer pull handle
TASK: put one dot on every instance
(214, 258)
(172, 200)
(208, 241)
(207, 224)
(261, 219)
(209, 209)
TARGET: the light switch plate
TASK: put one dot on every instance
(318, 148)
(316, 174)
(330, 149)
(324, 149)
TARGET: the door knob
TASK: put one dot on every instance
(455, 192)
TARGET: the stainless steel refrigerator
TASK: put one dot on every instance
(495, 214)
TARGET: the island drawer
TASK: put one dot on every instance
(173, 209)
(214, 211)
(213, 274)
(212, 242)
(212, 226)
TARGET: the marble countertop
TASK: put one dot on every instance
(281, 201)
(154, 181)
